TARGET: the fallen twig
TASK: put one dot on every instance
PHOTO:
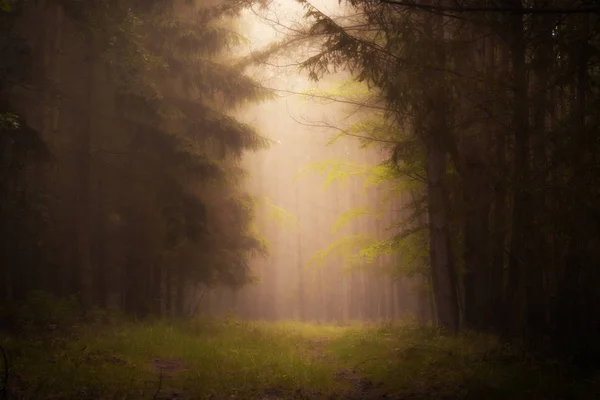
(367, 360)
(160, 378)
(4, 390)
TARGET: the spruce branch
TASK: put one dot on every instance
(479, 9)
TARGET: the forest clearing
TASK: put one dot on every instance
(277, 199)
(110, 357)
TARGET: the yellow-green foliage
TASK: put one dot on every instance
(348, 90)
(345, 247)
(334, 170)
(284, 218)
(347, 217)
(363, 250)
(277, 214)
(402, 173)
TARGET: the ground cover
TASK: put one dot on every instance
(230, 358)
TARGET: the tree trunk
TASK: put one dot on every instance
(156, 291)
(100, 252)
(575, 316)
(499, 215)
(441, 266)
(180, 292)
(522, 209)
(476, 198)
(476, 241)
(169, 291)
(442, 270)
(537, 302)
(83, 183)
(300, 272)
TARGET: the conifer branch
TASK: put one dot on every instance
(478, 9)
(323, 124)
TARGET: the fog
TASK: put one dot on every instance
(310, 274)
(299, 199)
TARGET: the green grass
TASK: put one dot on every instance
(218, 358)
(422, 363)
(230, 358)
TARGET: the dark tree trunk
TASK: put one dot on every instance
(435, 132)
(83, 183)
(100, 247)
(477, 282)
(499, 217)
(522, 217)
(441, 264)
(169, 291)
(157, 284)
(540, 263)
(499, 228)
(577, 312)
(180, 292)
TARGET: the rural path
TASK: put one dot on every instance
(360, 387)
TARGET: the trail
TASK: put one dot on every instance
(283, 361)
(361, 387)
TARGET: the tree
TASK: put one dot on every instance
(147, 151)
(502, 117)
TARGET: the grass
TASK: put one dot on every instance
(411, 362)
(230, 358)
(199, 358)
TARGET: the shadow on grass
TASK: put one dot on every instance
(231, 358)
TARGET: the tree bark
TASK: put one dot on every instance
(83, 183)
(522, 208)
(180, 292)
(540, 263)
(499, 215)
(169, 291)
(442, 270)
(300, 270)
(476, 242)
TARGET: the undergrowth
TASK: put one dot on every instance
(155, 359)
(101, 355)
(411, 362)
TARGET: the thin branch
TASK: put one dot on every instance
(367, 360)
(199, 300)
(382, 50)
(4, 389)
(475, 9)
(160, 379)
(329, 126)
(332, 99)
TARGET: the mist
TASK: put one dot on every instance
(301, 207)
(278, 199)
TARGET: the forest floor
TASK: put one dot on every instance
(234, 359)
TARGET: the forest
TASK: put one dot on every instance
(299, 199)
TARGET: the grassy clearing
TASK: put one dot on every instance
(237, 359)
(410, 362)
(194, 359)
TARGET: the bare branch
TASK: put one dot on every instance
(507, 10)
(323, 124)
(160, 379)
(333, 99)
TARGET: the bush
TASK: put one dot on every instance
(43, 312)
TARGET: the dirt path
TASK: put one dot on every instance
(166, 369)
(361, 387)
